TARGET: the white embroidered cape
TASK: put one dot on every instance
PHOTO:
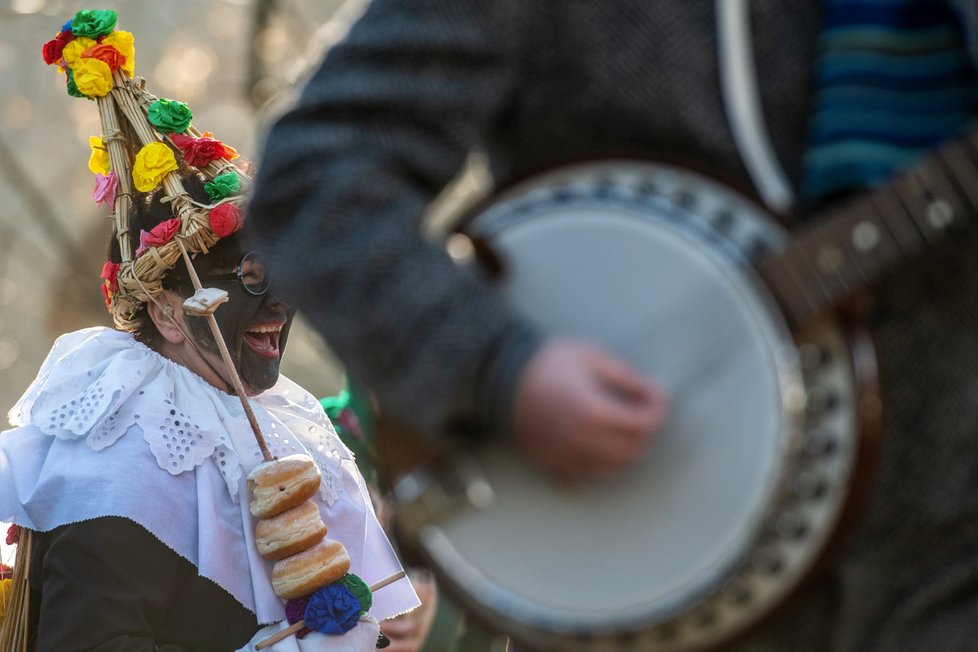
(111, 428)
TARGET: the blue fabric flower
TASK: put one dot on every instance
(332, 609)
(67, 26)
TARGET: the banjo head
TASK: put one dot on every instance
(728, 511)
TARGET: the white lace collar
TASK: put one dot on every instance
(97, 383)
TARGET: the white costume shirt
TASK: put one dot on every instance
(111, 428)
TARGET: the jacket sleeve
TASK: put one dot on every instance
(380, 128)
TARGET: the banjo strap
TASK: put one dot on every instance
(893, 81)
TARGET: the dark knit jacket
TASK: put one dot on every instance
(417, 84)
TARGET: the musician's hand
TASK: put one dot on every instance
(405, 635)
(581, 412)
(409, 632)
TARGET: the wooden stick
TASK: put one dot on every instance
(295, 627)
(387, 580)
(226, 355)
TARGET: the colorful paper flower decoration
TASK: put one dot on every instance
(105, 189)
(13, 535)
(110, 284)
(169, 116)
(295, 610)
(124, 42)
(94, 23)
(201, 151)
(222, 186)
(359, 589)
(53, 49)
(153, 162)
(98, 162)
(225, 219)
(158, 236)
(93, 77)
(332, 609)
(90, 37)
(72, 86)
(106, 54)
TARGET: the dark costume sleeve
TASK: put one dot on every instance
(346, 176)
(108, 585)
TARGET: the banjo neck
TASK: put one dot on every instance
(858, 243)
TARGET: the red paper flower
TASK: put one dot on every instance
(201, 151)
(229, 152)
(13, 536)
(53, 48)
(110, 272)
(107, 55)
(158, 236)
(162, 233)
(225, 219)
(107, 295)
(6, 573)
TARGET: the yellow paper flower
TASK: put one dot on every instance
(152, 163)
(6, 588)
(92, 77)
(123, 42)
(73, 50)
(98, 162)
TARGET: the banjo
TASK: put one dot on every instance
(775, 416)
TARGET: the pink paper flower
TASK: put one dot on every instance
(105, 187)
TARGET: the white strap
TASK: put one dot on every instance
(742, 102)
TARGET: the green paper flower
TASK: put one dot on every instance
(359, 589)
(170, 116)
(223, 185)
(72, 87)
(94, 23)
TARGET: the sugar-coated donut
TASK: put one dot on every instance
(301, 574)
(290, 532)
(282, 484)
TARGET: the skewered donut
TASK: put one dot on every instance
(301, 574)
(282, 484)
(290, 532)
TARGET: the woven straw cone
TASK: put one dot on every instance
(124, 118)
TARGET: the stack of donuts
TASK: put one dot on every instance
(290, 529)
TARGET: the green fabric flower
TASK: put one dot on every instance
(359, 589)
(72, 87)
(94, 23)
(170, 116)
(223, 185)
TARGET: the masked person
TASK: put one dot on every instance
(799, 103)
(128, 470)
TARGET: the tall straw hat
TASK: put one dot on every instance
(147, 145)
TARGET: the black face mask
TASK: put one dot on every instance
(256, 355)
(255, 328)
